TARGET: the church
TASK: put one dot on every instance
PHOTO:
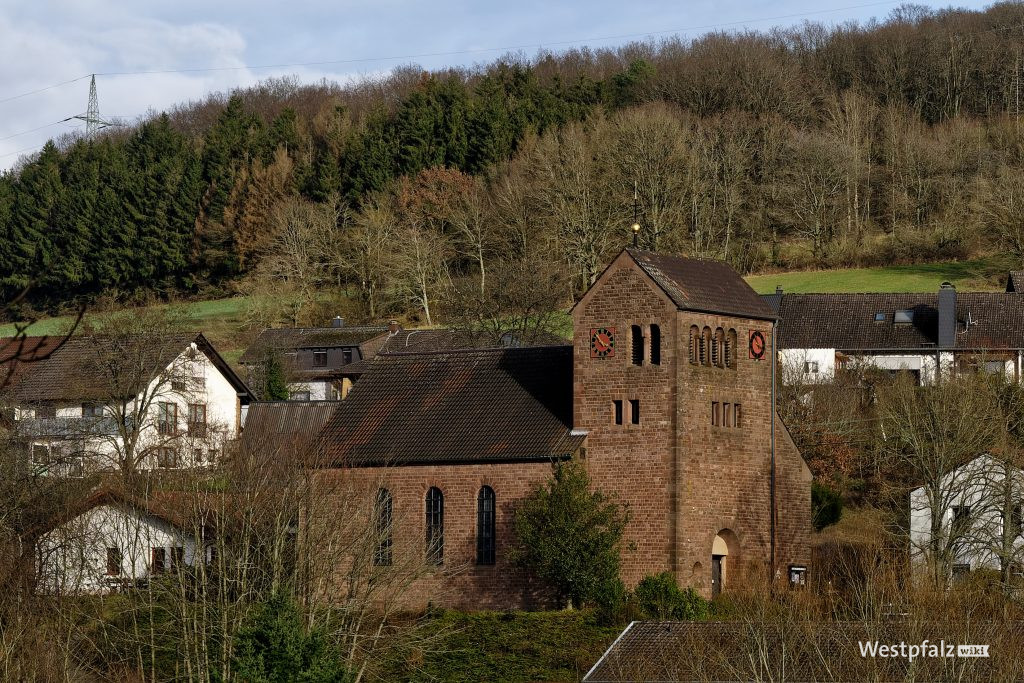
(666, 395)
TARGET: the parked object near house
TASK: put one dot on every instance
(665, 394)
(127, 403)
(924, 334)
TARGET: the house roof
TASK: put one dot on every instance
(86, 367)
(847, 321)
(295, 425)
(18, 354)
(460, 406)
(707, 286)
(289, 338)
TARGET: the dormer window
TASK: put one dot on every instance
(319, 358)
(904, 316)
(879, 317)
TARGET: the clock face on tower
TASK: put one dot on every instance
(602, 342)
(757, 344)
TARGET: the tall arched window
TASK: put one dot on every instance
(435, 526)
(718, 348)
(694, 343)
(705, 342)
(730, 349)
(655, 345)
(636, 345)
(382, 528)
(485, 526)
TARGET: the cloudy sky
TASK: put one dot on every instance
(48, 42)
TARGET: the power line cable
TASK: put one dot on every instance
(32, 130)
(49, 87)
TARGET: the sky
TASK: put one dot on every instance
(44, 43)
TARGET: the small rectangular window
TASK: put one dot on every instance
(166, 458)
(879, 317)
(158, 560)
(811, 367)
(113, 561)
(40, 454)
(167, 418)
(346, 356)
(636, 343)
(197, 419)
(715, 415)
(92, 410)
(727, 415)
(46, 412)
(737, 415)
(617, 411)
(634, 411)
(319, 358)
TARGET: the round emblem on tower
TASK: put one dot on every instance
(756, 345)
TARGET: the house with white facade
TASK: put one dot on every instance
(924, 334)
(127, 403)
(113, 542)
(974, 518)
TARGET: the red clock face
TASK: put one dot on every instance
(602, 342)
(757, 344)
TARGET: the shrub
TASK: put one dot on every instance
(569, 536)
(826, 506)
(273, 645)
(659, 597)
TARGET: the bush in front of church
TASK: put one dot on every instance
(570, 536)
(660, 597)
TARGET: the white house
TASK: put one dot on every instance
(978, 517)
(923, 334)
(113, 542)
(98, 403)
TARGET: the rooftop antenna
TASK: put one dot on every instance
(636, 220)
(93, 122)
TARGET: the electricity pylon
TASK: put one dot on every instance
(93, 122)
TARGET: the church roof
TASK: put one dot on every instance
(457, 406)
(706, 286)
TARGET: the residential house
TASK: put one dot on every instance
(979, 518)
(919, 333)
(314, 359)
(113, 541)
(94, 403)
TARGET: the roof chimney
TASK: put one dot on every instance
(338, 321)
(393, 327)
(947, 315)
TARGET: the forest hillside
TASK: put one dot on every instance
(897, 141)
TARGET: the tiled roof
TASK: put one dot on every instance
(18, 354)
(847, 321)
(291, 425)
(309, 337)
(457, 407)
(86, 367)
(696, 285)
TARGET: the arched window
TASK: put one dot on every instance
(705, 343)
(694, 343)
(435, 526)
(655, 345)
(730, 349)
(636, 344)
(485, 526)
(718, 348)
(382, 528)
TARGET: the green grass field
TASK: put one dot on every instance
(222, 320)
(218, 319)
(977, 275)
